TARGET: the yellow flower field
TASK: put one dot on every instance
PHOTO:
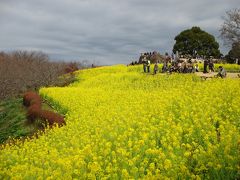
(124, 124)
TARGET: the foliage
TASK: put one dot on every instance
(153, 57)
(230, 33)
(21, 71)
(194, 42)
(12, 120)
(71, 67)
(230, 29)
(34, 103)
(234, 53)
(123, 124)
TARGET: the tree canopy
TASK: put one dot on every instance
(234, 53)
(194, 42)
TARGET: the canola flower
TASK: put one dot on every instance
(124, 124)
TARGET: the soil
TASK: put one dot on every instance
(212, 74)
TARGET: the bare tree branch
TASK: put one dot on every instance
(230, 30)
(23, 70)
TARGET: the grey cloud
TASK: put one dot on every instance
(107, 31)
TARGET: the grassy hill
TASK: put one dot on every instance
(122, 123)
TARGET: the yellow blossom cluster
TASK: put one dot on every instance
(125, 124)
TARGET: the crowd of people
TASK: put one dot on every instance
(176, 65)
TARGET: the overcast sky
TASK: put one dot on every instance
(105, 31)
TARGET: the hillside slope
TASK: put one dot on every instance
(122, 123)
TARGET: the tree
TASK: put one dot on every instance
(230, 30)
(234, 53)
(194, 42)
(27, 70)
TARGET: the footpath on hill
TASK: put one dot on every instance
(213, 74)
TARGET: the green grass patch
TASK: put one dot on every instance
(13, 121)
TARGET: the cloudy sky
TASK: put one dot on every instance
(105, 31)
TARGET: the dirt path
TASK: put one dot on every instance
(211, 75)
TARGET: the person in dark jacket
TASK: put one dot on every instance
(205, 65)
(211, 66)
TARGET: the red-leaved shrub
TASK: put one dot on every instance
(52, 118)
(30, 98)
(33, 112)
(34, 102)
(71, 67)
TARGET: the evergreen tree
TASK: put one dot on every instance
(234, 53)
(194, 42)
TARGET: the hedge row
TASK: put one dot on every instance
(33, 102)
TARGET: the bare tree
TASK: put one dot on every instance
(230, 29)
(28, 70)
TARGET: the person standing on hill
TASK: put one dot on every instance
(196, 67)
(211, 66)
(164, 67)
(185, 69)
(144, 61)
(205, 65)
(148, 65)
(167, 59)
(156, 68)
